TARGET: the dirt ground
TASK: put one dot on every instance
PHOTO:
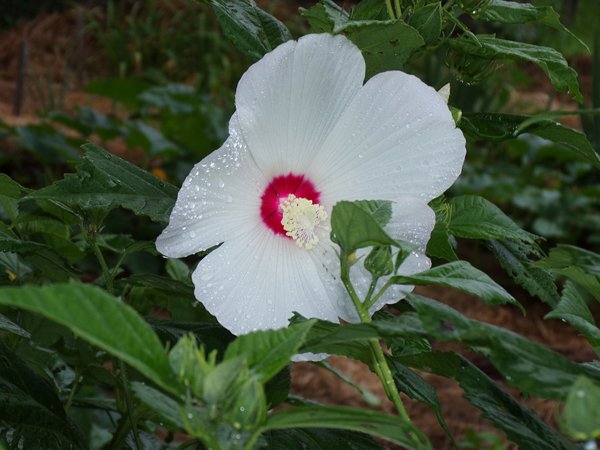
(56, 57)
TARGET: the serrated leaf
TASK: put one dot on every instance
(474, 217)
(462, 276)
(417, 388)
(100, 319)
(253, 31)
(501, 127)
(532, 367)
(510, 12)
(385, 45)
(269, 351)
(440, 243)
(513, 257)
(581, 414)
(325, 16)
(576, 264)
(427, 20)
(317, 439)
(374, 423)
(549, 60)
(106, 181)
(31, 414)
(574, 309)
(520, 423)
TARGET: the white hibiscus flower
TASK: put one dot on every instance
(306, 134)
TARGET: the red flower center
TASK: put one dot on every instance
(277, 191)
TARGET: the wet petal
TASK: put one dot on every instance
(396, 137)
(219, 200)
(288, 101)
(258, 280)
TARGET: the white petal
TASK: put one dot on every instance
(219, 200)
(396, 137)
(258, 280)
(288, 102)
(412, 221)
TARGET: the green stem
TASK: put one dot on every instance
(371, 301)
(380, 364)
(73, 389)
(390, 9)
(398, 9)
(129, 404)
(108, 281)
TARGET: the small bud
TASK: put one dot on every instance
(379, 262)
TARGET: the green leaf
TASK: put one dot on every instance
(549, 60)
(360, 224)
(317, 439)
(11, 327)
(501, 127)
(532, 367)
(385, 45)
(520, 423)
(581, 415)
(417, 388)
(574, 309)
(106, 181)
(508, 12)
(576, 264)
(253, 31)
(427, 20)
(269, 351)
(102, 320)
(375, 423)
(30, 410)
(122, 90)
(513, 257)
(441, 243)
(462, 276)
(474, 217)
(166, 408)
(325, 16)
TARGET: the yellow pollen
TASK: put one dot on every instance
(302, 219)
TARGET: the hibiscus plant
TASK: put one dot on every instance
(302, 236)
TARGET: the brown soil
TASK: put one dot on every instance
(59, 57)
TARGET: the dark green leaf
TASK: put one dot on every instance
(574, 309)
(520, 423)
(532, 367)
(11, 327)
(417, 388)
(267, 352)
(513, 256)
(576, 264)
(122, 90)
(440, 244)
(500, 127)
(31, 414)
(511, 12)
(385, 45)
(462, 276)
(100, 319)
(427, 20)
(474, 217)
(549, 60)
(325, 16)
(390, 428)
(106, 181)
(253, 31)
(316, 439)
(581, 414)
